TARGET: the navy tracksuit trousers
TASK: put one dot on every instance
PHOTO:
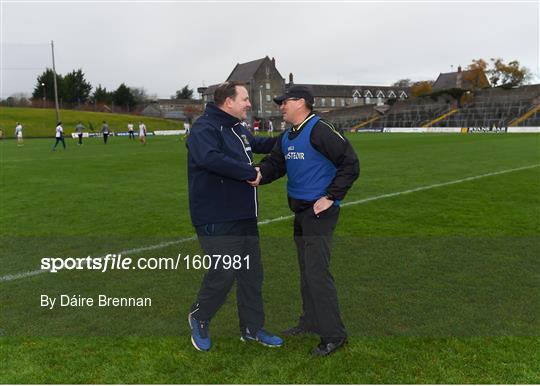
(239, 238)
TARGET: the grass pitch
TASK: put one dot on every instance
(435, 260)
(41, 123)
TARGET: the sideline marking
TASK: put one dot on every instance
(22, 275)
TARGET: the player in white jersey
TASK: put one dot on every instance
(142, 133)
(131, 132)
(18, 134)
(59, 136)
(270, 129)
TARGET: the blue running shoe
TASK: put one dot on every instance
(263, 337)
(200, 336)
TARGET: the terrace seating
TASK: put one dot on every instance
(488, 107)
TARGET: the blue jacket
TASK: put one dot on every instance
(220, 161)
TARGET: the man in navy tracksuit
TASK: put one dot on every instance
(321, 166)
(223, 207)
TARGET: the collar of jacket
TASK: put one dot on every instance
(221, 116)
(302, 124)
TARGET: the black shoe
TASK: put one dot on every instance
(296, 330)
(324, 349)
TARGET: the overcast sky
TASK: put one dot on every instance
(163, 45)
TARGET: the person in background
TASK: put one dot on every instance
(105, 131)
(131, 132)
(142, 133)
(59, 136)
(270, 128)
(19, 134)
(80, 129)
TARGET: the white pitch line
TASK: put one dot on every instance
(164, 244)
(22, 275)
(439, 185)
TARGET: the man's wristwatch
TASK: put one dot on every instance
(330, 197)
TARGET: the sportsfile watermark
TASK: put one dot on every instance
(112, 262)
(426, 286)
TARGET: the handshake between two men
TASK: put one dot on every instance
(319, 206)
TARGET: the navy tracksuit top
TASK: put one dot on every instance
(220, 161)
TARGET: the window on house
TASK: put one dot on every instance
(355, 100)
(268, 86)
(268, 98)
(333, 102)
(342, 102)
(323, 102)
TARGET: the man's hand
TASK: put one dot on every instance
(321, 205)
(256, 181)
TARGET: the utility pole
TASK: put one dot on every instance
(55, 85)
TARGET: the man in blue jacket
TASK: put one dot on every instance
(223, 207)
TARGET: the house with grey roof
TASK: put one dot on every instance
(264, 82)
(332, 97)
(465, 80)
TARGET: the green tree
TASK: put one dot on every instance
(184, 93)
(45, 85)
(101, 95)
(75, 88)
(140, 95)
(124, 97)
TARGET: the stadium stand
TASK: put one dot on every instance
(414, 112)
(530, 118)
(496, 107)
(489, 107)
(347, 118)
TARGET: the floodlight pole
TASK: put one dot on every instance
(44, 93)
(55, 85)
